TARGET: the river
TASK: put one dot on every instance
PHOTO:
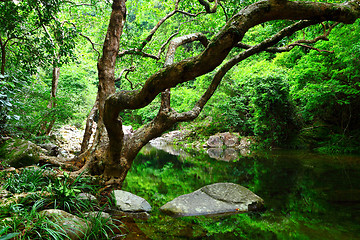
(307, 195)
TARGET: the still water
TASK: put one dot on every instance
(307, 195)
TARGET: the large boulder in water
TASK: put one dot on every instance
(215, 199)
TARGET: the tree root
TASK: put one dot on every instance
(59, 162)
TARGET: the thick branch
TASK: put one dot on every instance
(207, 7)
(194, 113)
(162, 121)
(302, 43)
(175, 43)
(89, 127)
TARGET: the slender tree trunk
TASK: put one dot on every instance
(89, 127)
(45, 128)
(54, 86)
(3, 56)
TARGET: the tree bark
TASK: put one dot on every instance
(52, 104)
(3, 56)
(100, 152)
(89, 127)
(45, 128)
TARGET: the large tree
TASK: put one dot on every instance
(112, 153)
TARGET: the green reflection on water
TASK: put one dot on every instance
(307, 195)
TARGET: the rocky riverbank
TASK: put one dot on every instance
(221, 146)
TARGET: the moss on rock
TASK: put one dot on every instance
(19, 153)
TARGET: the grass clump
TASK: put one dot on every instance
(42, 189)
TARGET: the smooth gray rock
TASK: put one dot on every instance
(87, 197)
(129, 202)
(215, 199)
(91, 215)
(74, 227)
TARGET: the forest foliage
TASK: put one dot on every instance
(281, 98)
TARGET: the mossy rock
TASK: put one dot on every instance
(19, 153)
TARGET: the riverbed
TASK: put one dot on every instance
(307, 195)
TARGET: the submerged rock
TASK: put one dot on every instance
(129, 202)
(215, 199)
(227, 154)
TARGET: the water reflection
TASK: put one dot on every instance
(307, 195)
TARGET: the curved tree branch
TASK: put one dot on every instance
(162, 121)
(302, 42)
(207, 6)
(139, 50)
(122, 152)
(194, 113)
(167, 116)
(225, 40)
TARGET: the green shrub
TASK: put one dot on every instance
(258, 103)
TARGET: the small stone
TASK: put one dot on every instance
(87, 197)
(91, 215)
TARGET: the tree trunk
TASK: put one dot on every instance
(98, 153)
(54, 86)
(3, 57)
(90, 121)
(45, 128)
